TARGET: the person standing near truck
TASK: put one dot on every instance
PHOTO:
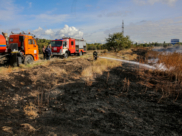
(48, 52)
(50, 49)
(43, 51)
(50, 46)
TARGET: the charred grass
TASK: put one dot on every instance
(119, 100)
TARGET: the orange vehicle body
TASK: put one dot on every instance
(2, 44)
(29, 44)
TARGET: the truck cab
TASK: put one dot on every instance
(26, 45)
(57, 47)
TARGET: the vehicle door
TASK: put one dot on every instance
(65, 46)
(36, 49)
(32, 47)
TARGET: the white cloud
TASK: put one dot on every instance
(58, 33)
(151, 2)
(70, 31)
(38, 30)
(49, 32)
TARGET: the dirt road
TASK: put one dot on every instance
(119, 102)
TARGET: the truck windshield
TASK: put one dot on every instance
(56, 43)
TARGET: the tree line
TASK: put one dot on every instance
(95, 46)
(115, 42)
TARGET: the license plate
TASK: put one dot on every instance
(55, 49)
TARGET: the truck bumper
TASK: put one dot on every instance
(57, 53)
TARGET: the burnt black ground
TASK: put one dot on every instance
(107, 107)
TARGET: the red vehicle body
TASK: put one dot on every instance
(67, 46)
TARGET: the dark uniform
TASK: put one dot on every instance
(95, 55)
(48, 53)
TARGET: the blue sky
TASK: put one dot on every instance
(145, 20)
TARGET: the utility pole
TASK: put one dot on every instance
(123, 27)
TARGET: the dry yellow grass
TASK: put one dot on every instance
(31, 111)
(58, 70)
(171, 60)
(36, 63)
(28, 127)
(125, 51)
(4, 70)
(87, 72)
(86, 56)
(7, 129)
(99, 67)
(33, 93)
(106, 63)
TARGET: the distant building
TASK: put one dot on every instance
(174, 41)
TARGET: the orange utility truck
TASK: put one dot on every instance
(22, 48)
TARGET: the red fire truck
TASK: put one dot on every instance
(67, 46)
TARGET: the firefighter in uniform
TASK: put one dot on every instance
(95, 55)
(48, 52)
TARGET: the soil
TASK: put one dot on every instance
(121, 101)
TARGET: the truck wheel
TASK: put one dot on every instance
(80, 54)
(28, 59)
(66, 55)
(69, 54)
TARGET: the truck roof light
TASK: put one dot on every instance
(56, 39)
